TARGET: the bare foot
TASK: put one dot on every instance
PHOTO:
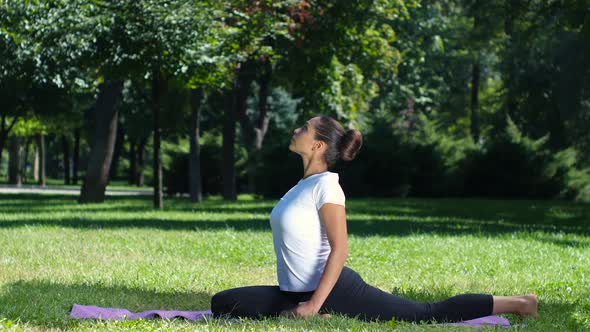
(529, 305)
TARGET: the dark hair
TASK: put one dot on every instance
(342, 144)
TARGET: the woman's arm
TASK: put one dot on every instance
(334, 218)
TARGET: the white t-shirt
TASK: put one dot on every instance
(299, 237)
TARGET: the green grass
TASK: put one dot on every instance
(54, 253)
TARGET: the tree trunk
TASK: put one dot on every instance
(95, 181)
(36, 164)
(235, 106)
(42, 159)
(76, 157)
(158, 194)
(194, 172)
(26, 159)
(119, 141)
(132, 163)
(261, 125)
(229, 136)
(14, 163)
(475, 74)
(139, 181)
(66, 158)
(4, 131)
(254, 131)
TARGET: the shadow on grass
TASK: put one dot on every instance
(520, 211)
(367, 217)
(49, 304)
(363, 228)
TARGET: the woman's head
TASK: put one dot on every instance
(327, 137)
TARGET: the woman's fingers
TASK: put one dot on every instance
(294, 314)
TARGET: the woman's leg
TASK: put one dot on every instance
(351, 296)
(250, 302)
(525, 305)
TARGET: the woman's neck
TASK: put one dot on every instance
(310, 168)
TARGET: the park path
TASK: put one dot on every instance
(30, 189)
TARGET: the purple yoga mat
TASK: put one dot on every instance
(483, 321)
(92, 312)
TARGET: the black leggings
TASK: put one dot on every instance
(351, 297)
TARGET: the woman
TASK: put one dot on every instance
(310, 242)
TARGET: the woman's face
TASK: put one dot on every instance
(303, 141)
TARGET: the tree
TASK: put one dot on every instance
(343, 54)
(544, 73)
(135, 119)
(254, 30)
(16, 68)
(31, 75)
(255, 127)
(60, 39)
(97, 172)
(206, 74)
(111, 37)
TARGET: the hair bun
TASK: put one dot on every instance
(350, 144)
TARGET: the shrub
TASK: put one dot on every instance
(516, 166)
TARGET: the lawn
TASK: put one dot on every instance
(54, 253)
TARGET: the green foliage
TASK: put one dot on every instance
(278, 170)
(347, 90)
(134, 108)
(37, 79)
(276, 166)
(545, 75)
(434, 60)
(282, 107)
(451, 148)
(342, 51)
(175, 164)
(515, 165)
(575, 181)
(359, 61)
(398, 160)
(28, 127)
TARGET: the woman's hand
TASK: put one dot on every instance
(304, 310)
